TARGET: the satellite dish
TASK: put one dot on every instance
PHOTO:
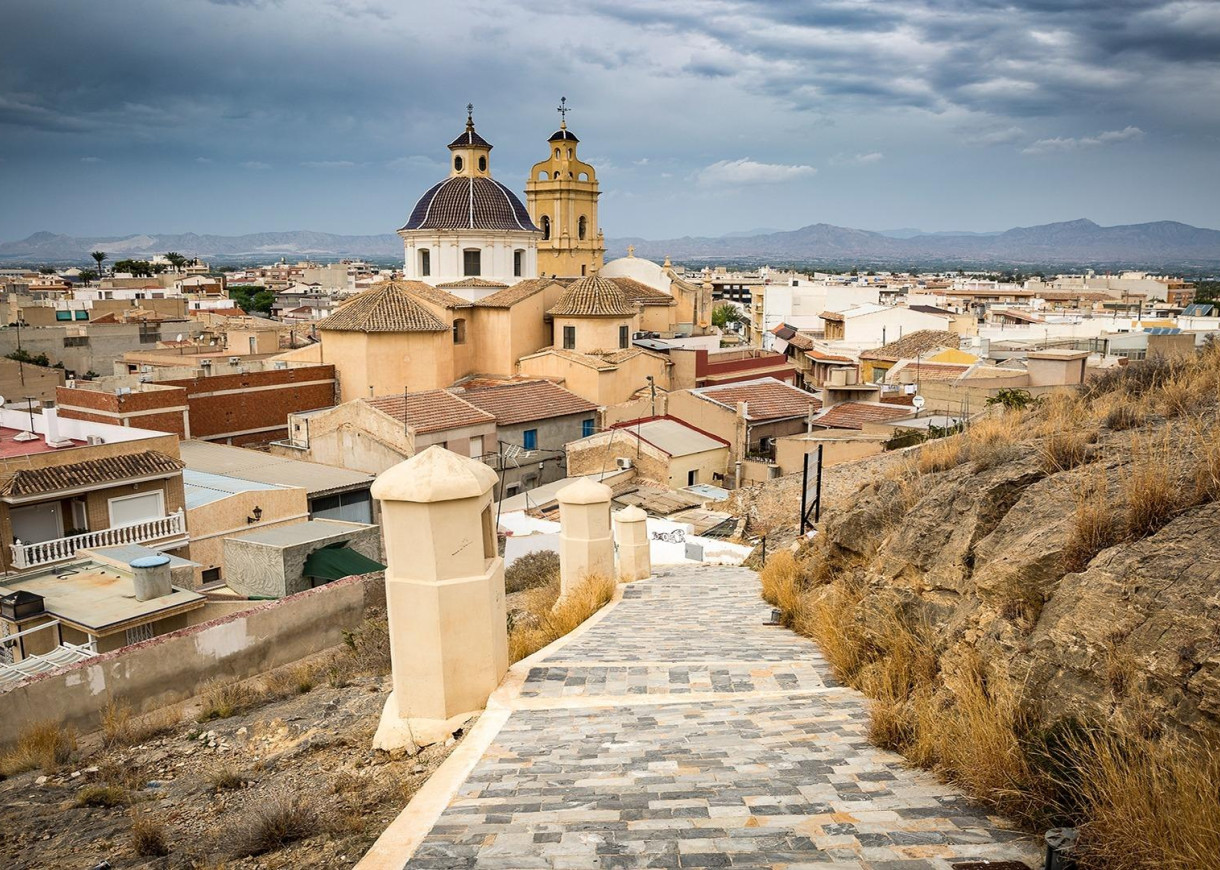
(918, 402)
(2, 401)
(178, 337)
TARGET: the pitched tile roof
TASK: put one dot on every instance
(928, 371)
(765, 398)
(436, 295)
(584, 359)
(853, 415)
(816, 354)
(384, 307)
(593, 296)
(89, 472)
(431, 410)
(638, 291)
(913, 344)
(510, 296)
(472, 282)
(523, 401)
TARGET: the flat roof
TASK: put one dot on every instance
(201, 487)
(98, 598)
(254, 465)
(10, 446)
(300, 533)
(673, 436)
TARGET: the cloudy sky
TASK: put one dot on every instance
(702, 116)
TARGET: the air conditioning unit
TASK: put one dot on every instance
(205, 363)
(234, 360)
(146, 369)
(624, 463)
(94, 440)
(281, 364)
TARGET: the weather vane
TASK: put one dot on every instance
(470, 113)
(563, 111)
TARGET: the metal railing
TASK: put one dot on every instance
(62, 549)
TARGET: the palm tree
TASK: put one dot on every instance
(176, 260)
(99, 256)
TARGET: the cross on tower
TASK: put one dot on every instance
(563, 111)
(470, 113)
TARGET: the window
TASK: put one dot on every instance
(569, 153)
(586, 428)
(459, 331)
(476, 446)
(556, 153)
(457, 163)
(582, 226)
(354, 507)
(210, 575)
(569, 338)
(128, 509)
(692, 477)
(472, 259)
(546, 228)
(530, 439)
(518, 263)
(140, 633)
(82, 315)
(583, 270)
(425, 263)
(482, 164)
(63, 315)
(624, 337)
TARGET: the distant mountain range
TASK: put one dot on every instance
(1078, 242)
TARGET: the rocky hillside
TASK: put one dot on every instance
(1035, 604)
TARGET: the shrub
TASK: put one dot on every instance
(780, 577)
(1093, 529)
(121, 728)
(102, 796)
(940, 455)
(559, 618)
(1063, 450)
(1152, 495)
(369, 646)
(1012, 398)
(221, 700)
(279, 819)
(148, 837)
(225, 778)
(531, 571)
(43, 745)
(1123, 416)
(296, 680)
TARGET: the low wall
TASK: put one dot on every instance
(175, 666)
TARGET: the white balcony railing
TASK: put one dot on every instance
(61, 549)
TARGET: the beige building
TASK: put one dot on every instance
(661, 449)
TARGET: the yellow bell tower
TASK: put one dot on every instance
(561, 196)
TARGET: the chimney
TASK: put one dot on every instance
(50, 419)
(151, 577)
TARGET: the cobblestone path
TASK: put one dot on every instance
(680, 731)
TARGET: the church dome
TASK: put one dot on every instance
(593, 296)
(470, 203)
(563, 135)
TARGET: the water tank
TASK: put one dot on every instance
(150, 576)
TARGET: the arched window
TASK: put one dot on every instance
(546, 227)
(518, 262)
(556, 174)
(425, 263)
(542, 175)
(569, 152)
(459, 331)
(584, 176)
(556, 153)
(457, 162)
(482, 164)
(582, 227)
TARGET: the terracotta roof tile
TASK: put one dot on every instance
(816, 354)
(467, 202)
(765, 398)
(436, 295)
(431, 410)
(911, 346)
(510, 296)
(523, 401)
(89, 472)
(928, 371)
(593, 296)
(638, 291)
(384, 307)
(853, 415)
(472, 282)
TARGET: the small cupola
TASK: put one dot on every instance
(471, 153)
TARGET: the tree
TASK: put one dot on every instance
(87, 275)
(176, 260)
(723, 315)
(138, 268)
(98, 256)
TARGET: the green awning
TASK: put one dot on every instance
(337, 561)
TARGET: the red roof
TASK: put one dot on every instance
(431, 410)
(523, 401)
(853, 415)
(765, 398)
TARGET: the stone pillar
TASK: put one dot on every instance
(444, 596)
(586, 547)
(631, 535)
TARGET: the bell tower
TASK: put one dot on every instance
(470, 152)
(561, 195)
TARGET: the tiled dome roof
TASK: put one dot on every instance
(469, 137)
(384, 307)
(593, 297)
(470, 203)
(564, 134)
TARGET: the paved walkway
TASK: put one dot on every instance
(679, 731)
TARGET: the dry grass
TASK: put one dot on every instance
(120, 727)
(281, 818)
(1019, 598)
(368, 647)
(551, 618)
(220, 700)
(1149, 803)
(1063, 450)
(780, 580)
(1094, 526)
(941, 454)
(148, 836)
(298, 679)
(102, 796)
(42, 746)
(1150, 490)
(225, 778)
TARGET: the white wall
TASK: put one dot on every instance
(447, 262)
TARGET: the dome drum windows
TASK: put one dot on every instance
(425, 263)
(518, 262)
(482, 164)
(472, 261)
(457, 162)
